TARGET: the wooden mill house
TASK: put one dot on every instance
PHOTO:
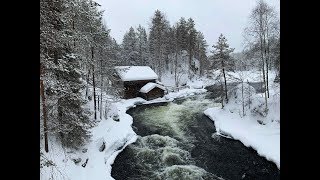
(137, 81)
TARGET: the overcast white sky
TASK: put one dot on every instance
(211, 17)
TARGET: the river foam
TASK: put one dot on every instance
(175, 142)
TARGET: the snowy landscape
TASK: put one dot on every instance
(162, 103)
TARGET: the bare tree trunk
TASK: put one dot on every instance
(160, 65)
(167, 61)
(266, 56)
(225, 82)
(98, 103)
(94, 95)
(190, 64)
(264, 81)
(249, 93)
(267, 77)
(101, 88)
(222, 106)
(94, 86)
(201, 64)
(262, 47)
(87, 87)
(267, 63)
(242, 100)
(176, 69)
(261, 84)
(101, 106)
(44, 110)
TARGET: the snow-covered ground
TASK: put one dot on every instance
(250, 75)
(210, 78)
(116, 135)
(264, 137)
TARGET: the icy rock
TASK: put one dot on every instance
(138, 103)
(261, 122)
(101, 144)
(76, 161)
(85, 163)
(116, 118)
(102, 147)
(197, 86)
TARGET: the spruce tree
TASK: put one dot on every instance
(142, 45)
(130, 48)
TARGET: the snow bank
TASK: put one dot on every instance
(97, 161)
(133, 73)
(196, 84)
(184, 93)
(251, 75)
(264, 137)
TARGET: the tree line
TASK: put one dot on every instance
(261, 52)
(161, 47)
(76, 52)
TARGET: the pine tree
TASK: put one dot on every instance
(200, 51)
(222, 54)
(182, 33)
(191, 43)
(71, 115)
(130, 48)
(177, 50)
(157, 41)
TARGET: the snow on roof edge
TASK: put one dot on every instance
(134, 73)
(149, 86)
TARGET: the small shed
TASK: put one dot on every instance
(130, 79)
(152, 91)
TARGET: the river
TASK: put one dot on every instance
(177, 141)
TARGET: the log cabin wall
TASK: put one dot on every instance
(131, 88)
(118, 84)
(154, 93)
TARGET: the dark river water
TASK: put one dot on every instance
(177, 141)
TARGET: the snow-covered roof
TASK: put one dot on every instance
(135, 73)
(149, 86)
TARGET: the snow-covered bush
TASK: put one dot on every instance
(235, 94)
(240, 98)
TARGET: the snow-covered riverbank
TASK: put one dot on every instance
(253, 130)
(109, 138)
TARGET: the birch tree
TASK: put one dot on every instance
(262, 26)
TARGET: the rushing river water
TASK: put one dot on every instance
(177, 141)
